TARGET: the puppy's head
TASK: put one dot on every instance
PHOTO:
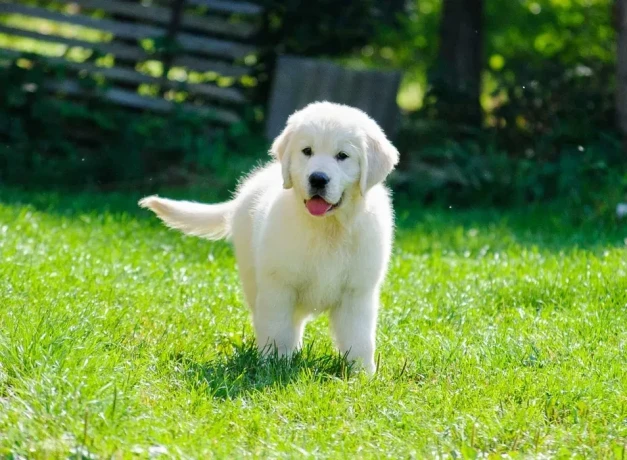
(327, 151)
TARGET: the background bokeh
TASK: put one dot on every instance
(500, 102)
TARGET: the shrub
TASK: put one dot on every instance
(60, 141)
(550, 106)
(440, 164)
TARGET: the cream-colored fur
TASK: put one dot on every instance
(292, 264)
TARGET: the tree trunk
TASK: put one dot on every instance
(456, 82)
(620, 17)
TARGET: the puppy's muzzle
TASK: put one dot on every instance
(318, 182)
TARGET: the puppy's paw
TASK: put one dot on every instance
(368, 368)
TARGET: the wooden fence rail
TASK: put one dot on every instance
(204, 36)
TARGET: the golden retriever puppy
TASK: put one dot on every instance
(312, 230)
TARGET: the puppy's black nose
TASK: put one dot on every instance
(318, 180)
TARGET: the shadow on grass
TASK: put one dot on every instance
(245, 370)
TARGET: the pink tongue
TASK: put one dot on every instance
(317, 206)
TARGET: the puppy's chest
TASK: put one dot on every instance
(321, 276)
(317, 264)
(322, 281)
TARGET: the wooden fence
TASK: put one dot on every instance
(199, 46)
(202, 50)
(299, 81)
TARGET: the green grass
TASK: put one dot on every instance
(500, 333)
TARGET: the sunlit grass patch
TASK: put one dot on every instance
(500, 333)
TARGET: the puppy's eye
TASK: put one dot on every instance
(341, 156)
(307, 151)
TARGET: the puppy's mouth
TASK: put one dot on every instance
(318, 206)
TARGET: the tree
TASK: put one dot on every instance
(456, 81)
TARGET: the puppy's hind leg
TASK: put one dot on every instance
(275, 321)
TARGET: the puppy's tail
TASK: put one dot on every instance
(211, 221)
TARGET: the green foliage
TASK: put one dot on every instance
(552, 103)
(549, 129)
(549, 98)
(524, 32)
(564, 30)
(501, 333)
(59, 141)
(551, 136)
(458, 166)
(325, 27)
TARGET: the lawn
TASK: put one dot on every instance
(501, 332)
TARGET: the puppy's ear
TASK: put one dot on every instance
(380, 159)
(279, 151)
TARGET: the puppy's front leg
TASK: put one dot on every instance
(354, 324)
(274, 319)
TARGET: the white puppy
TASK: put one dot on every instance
(312, 231)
